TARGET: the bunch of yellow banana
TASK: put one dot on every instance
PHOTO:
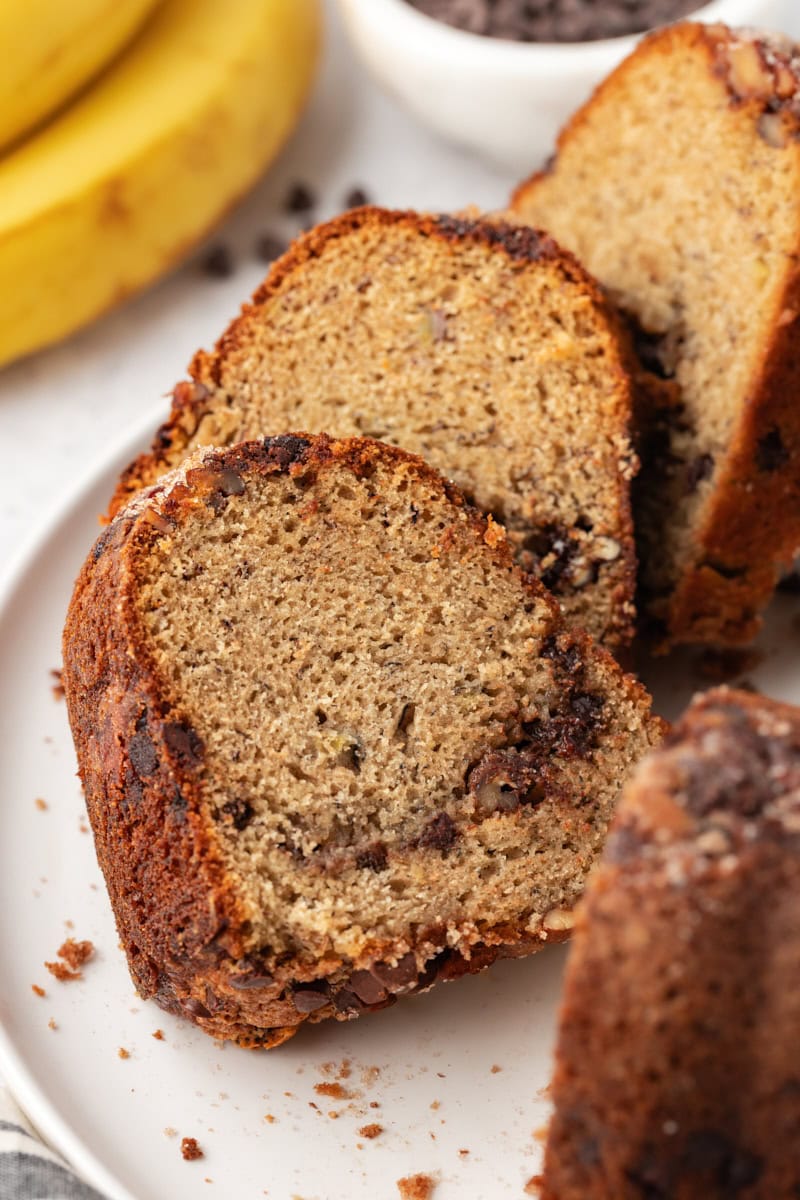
(140, 164)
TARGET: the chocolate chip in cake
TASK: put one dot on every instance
(372, 858)
(440, 833)
(771, 453)
(698, 469)
(240, 813)
(308, 997)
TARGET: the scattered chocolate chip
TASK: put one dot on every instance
(299, 199)
(372, 858)
(218, 262)
(698, 469)
(240, 812)
(269, 247)
(555, 20)
(440, 833)
(356, 198)
(771, 453)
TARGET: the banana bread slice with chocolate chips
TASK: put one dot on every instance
(678, 1061)
(335, 745)
(479, 345)
(677, 185)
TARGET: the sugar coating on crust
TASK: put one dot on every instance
(676, 185)
(481, 346)
(677, 1065)
(378, 739)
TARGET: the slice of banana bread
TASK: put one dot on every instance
(677, 185)
(335, 745)
(481, 346)
(678, 1062)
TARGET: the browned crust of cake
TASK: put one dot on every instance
(140, 762)
(520, 243)
(752, 530)
(677, 1071)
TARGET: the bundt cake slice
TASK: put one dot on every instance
(677, 184)
(480, 346)
(334, 744)
(678, 1062)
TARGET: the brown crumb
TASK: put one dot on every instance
(416, 1187)
(540, 1134)
(123, 1053)
(345, 1070)
(75, 954)
(268, 1117)
(61, 971)
(496, 1069)
(41, 804)
(370, 1075)
(58, 687)
(333, 1114)
(374, 1103)
(463, 1153)
(436, 1105)
(190, 1149)
(69, 924)
(720, 665)
(159, 1035)
(371, 1131)
(533, 1186)
(51, 1024)
(38, 991)
(334, 1090)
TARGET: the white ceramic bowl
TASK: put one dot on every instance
(506, 100)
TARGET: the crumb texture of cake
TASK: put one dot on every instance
(678, 1062)
(677, 185)
(335, 745)
(477, 344)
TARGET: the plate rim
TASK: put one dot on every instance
(15, 1074)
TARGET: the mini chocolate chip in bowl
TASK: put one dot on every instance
(555, 20)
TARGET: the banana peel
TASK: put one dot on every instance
(120, 186)
(50, 49)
